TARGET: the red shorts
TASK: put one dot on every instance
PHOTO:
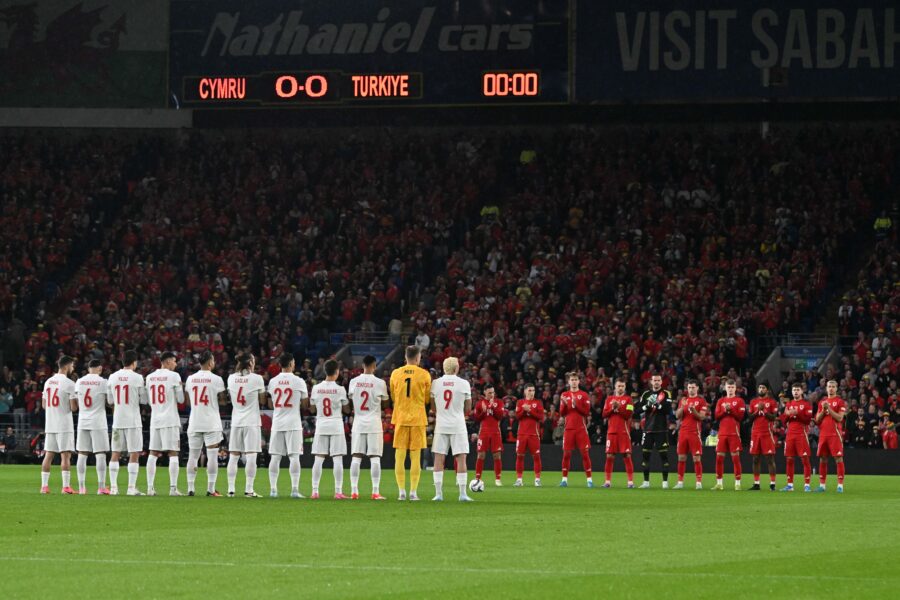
(689, 443)
(796, 446)
(530, 444)
(490, 442)
(618, 443)
(831, 446)
(729, 443)
(576, 438)
(762, 443)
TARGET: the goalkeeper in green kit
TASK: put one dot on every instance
(655, 408)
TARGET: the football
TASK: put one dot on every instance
(476, 485)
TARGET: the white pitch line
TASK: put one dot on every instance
(407, 569)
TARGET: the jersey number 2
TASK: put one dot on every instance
(279, 392)
(365, 402)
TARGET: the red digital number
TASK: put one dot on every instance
(314, 86)
(510, 84)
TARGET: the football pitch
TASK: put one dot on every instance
(514, 543)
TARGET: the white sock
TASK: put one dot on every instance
(355, 465)
(438, 482)
(173, 472)
(212, 468)
(274, 468)
(232, 471)
(250, 471)
(294, 470)
(718, 481)
(375, 471)
(133, 469)
(565, 479)
(151, 472)
(45, 478)
(461, 482)
(317, 473)
(81, 467)
(338, 470)
(101, 470)
(193, 461)
(67, 478)
(114, 474)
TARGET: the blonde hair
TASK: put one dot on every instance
(451, 365)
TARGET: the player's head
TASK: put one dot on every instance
(730, 388)
(369, 364)
(762, 390)
(413, 354)
(831, 388)
(207, 360)
(65, 364)
(129, 359)
(451, 365)
(95, 366)
(620, 386)
(245, 362)
(797, 391)
(655, 382)
(331, 369)
(692, 388)
(529, 391)
(573, 380)
(286, 360)
(489, 391)
(167, 359)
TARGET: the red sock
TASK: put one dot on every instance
(698, 470)
(807, 470)
(520, 465)
(586, 460)
(567, 458)
(629, 468)
(789, 470)
(720, 466)
(736, 462)
(823, 471)
(498, 468)
(537, 466)
(609, 467)
(840, 473)
(682, 465)
(772, 476)
(755, 473)
(479, 467)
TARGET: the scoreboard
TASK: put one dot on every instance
(308, 53)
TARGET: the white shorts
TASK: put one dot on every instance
(286, 443)
(370, 444)
(92, 441)
(330, 445)
(129, 439)
(165, 439)
(59, 442)
(443, 442)
(202, 439)
(245, 439)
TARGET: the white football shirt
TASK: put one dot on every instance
(203, 388)
(165, 392)
(449, 394)
(126, 394)
(287, 391)
(367, 392)
(245, 391)
(90, 391)
(57, 392)
(328, 397)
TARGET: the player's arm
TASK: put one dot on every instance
(479, 411)
(142, 394)
(584, 407)
(467, 405)
(820, 414)
(679, 412)
(720, 410)
(109, 394)
(805, 415)
(520, 411)
(73, 402)
(773, 415)
(627, 410)
(607, 408)
(346, 406)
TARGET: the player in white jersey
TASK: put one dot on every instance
(58, 402)
(126, 394)
(329, 401)
(286, 392)
(452, 399)
(246, 389)
(166, 393)
(205, 391)
(367, 392)
(93, 431)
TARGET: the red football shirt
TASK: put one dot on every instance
(759, 408)
(578, 406)
(530, 422)
(798, 425)
(689, 423)
(620, 418)
(489, 413)
(730, 412)
(829, 426)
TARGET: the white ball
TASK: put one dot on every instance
(476, 485)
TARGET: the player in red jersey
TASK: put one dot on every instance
(489, 412)
(692, 410)
(530, 413)
(797, 415)
(618, 410)
(763, 411)
(730, 411)
(575, 407)
(830, 418)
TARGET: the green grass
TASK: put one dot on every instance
(512, 542)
